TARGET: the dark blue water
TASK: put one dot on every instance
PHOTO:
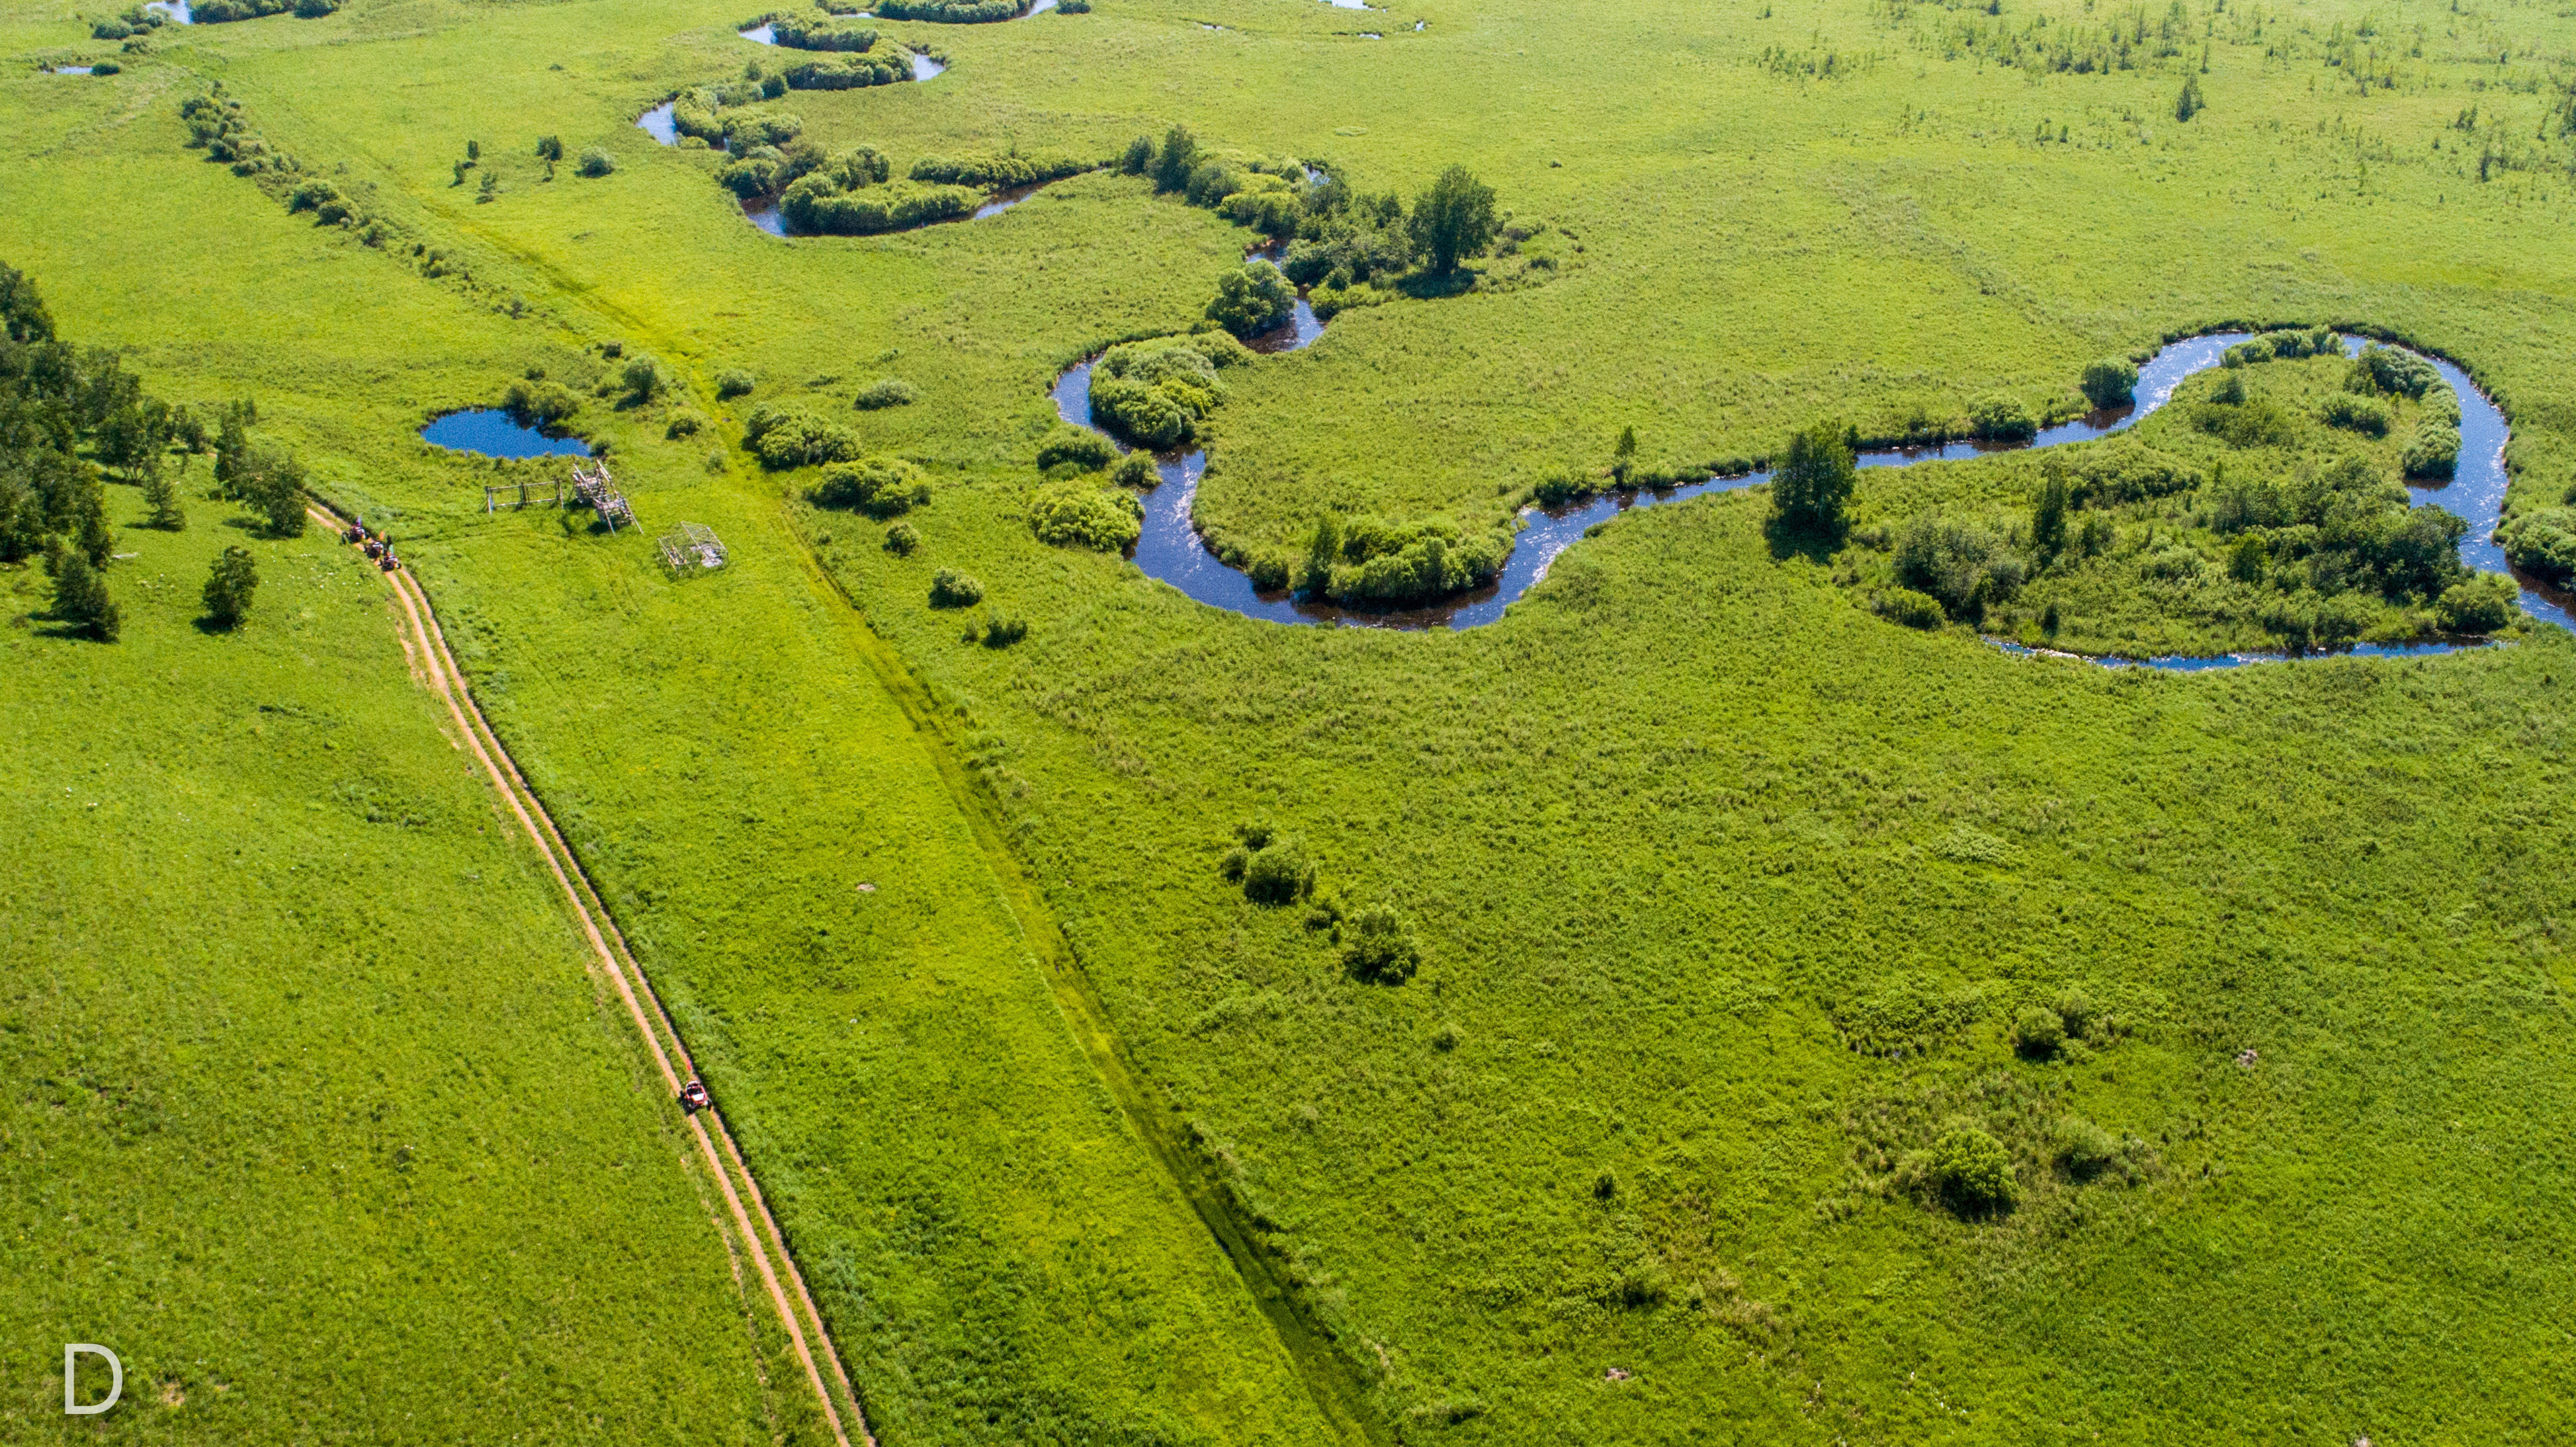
(489, 431)
(1170, 548)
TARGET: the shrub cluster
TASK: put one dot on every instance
(2433, 451)
(805, 32)
(135, 21)
(952, 589)
(1079, 447)
(1972, 1172)
(217, 12)
(1079, 511)
(2483, 603)
(695, 113)
(1999, 418)
(1252, 299)
(2366, 415)
(785, 437)
(851, 72)
(1154, 393)
(1910, 608)
(821, 202)
(1962, 565)
(2542, 543)
(949, 12)
(2392, 372)
(881, 487)
(539, 403)
(768, 170)
(1372, 562)
(999, 172)
(1338, 239)
(886, 392)
(2284, 345)
(1272, 868)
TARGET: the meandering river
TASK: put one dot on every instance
(1171, 549)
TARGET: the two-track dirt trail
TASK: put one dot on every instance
(763, 1243)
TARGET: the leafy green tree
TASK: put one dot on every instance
(2111, 382)
(1175, 159)
(550, 148)
(1137, 158)
(2048, 516)
(1252, 299)
(1279, 873)
(1624, 455)
(80, 599)
(2038, 1031)
(229, 586)
(1454, 219)
(22, 523)
(1812, 486)
(1379, 948)
(22, 311)
(643, 377)
(490, 189)
(273, 483)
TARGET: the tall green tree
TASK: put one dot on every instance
(229, 586)
(22, 312)
(1812, 486)
(273, 483)
(2048, 516)
(161, 495)
(91, 536)
(1175, 159)
(1455, 219)
(80, 599)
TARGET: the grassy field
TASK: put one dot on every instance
(1729, 895)
(313, 1116)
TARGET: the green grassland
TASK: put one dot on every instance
(1727, 890)
(313, 1115)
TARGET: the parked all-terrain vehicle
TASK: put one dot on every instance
(694, 1097)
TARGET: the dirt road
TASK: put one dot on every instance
(763, 1242)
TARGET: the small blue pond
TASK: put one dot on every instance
(491, 432)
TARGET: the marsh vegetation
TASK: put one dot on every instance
(1636, 1016)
